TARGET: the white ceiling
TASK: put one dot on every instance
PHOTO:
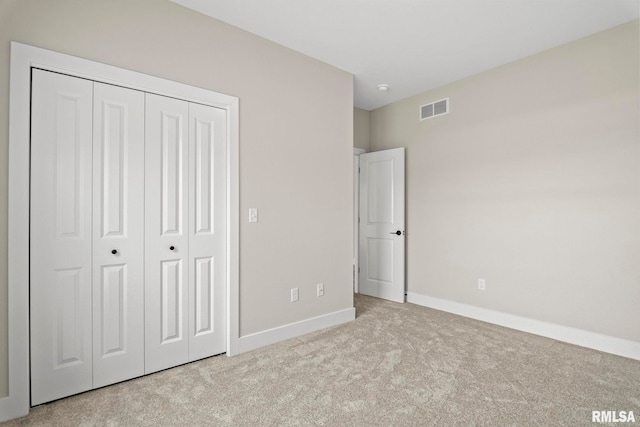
(417, 45)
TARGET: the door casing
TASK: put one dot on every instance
(23, 59)
(356, 215)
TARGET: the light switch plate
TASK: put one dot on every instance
(253, 215)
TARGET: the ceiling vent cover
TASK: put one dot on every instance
(434, 109)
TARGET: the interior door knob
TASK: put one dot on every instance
(115, 251)
(399, 233)
(171, 248)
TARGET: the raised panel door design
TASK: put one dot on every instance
(166, 238)
(113, 321)
(203, 288)
(114, 157)
(207, 212)
(118, 212)
(171, 295)
(380, 192)
(68, 154)
(172, 147)
(380, 255)
(69, 341)
(203, 174)
(60, 235)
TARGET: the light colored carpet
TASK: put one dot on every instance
(395, 365)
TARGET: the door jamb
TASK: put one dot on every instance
(356, 217)
(23, 58)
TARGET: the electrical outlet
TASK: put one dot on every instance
(320, 289)
(481, 284)
(294, 294)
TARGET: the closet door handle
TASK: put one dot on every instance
(115, 251)
(398, 233)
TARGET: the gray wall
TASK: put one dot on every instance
(296, 139)
(532, 183)
(361, 126)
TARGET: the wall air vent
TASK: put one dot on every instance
(434, 109)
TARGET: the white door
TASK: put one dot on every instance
(118, 234)
(382, 224)
(166, 233)
(128, 234)
(60, 236)
(207, 230)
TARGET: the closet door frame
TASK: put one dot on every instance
(23, 59)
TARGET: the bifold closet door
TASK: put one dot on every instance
(60, 236)
(118, 234)
(86, 243)
(166, 233)
(185, 293)
(127, 234)
(207, 230)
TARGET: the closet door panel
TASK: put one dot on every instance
(166, 233)
(207, 237)
(60, 234)
(118, 239)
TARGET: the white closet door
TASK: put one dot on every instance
(166, 233)
(60, 233)
(118, 234)
(207, 231)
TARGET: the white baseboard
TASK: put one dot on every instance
(605, 343)
(11, 408)
(293, 330)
